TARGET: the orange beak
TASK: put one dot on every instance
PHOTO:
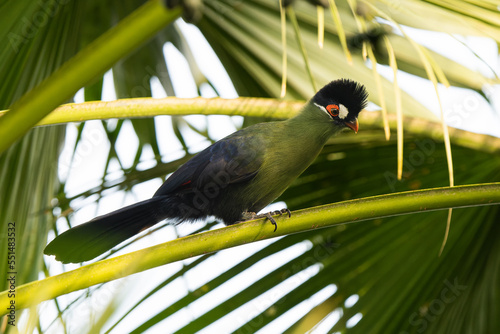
(353, 125)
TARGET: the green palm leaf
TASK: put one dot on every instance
(388, 266)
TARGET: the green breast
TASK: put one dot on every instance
(287, 153)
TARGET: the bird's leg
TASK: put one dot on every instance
(269, 215)
(271, 219)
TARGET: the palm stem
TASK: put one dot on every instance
(252, 107)
(207, 242)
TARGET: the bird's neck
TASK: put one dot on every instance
(312, 123)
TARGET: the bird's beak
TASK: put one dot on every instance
(353, 125)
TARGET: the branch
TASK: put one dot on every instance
(207, 242)
(249, 106)
(149, 107)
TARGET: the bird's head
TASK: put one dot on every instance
(342, 100)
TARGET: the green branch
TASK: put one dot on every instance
(90, 62)
(207, 242)
(248, 106)
(148, 107)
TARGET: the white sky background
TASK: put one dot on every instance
(467, 111)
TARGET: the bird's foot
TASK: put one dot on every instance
(269, 215)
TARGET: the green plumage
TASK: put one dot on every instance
(286, 149)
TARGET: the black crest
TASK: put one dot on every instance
(351, 94)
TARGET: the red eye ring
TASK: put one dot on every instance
(333, 109)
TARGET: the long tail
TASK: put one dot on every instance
(85, 242)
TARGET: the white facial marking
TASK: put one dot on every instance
(343, 111)
(322, 108)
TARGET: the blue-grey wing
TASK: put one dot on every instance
(236, 158)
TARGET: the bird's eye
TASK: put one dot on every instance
(333, 109)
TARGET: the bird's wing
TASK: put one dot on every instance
(234, 159)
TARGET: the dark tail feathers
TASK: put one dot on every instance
(85, 242)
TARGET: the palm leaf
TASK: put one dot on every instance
(390, 264)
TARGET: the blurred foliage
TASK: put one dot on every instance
(391, 265)
(28, 170)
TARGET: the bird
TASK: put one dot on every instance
(232, 180)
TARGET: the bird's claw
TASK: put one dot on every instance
(268, 215)
(282, 211)
(271, 219)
